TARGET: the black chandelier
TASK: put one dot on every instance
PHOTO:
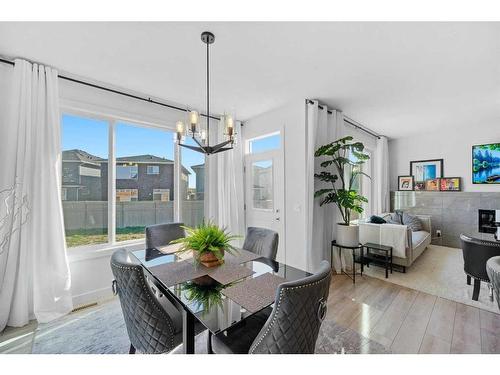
(201, 137)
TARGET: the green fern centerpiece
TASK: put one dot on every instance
(208, 242)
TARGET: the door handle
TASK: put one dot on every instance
(278, 219)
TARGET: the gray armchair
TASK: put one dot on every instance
(293, 325)
(262, 241)
(476, 253)
(493, 269)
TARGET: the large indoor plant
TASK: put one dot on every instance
(342, 170)
(208, 242)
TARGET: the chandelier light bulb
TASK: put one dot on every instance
(180, 129)
(193, 119)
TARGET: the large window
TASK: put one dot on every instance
(136, 148)
(192, 185)
(84, 185)
(143, 185)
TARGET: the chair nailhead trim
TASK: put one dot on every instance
(255, 345)
(154, 303)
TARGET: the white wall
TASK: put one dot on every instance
(291, 118)
(455, 147)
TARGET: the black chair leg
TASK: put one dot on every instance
(477, 287)
(468, 280)
(132, 349)
(209, 343)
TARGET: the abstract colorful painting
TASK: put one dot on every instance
(486, 164)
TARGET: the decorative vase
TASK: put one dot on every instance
(347, 235)
(209, 259)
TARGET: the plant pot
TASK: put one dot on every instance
(347, 235)
(209, 259)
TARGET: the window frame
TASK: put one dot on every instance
(85, 110)
(248, 142)
(153, 166)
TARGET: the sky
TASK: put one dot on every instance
(91, 136)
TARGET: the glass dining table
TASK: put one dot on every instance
(206, 299)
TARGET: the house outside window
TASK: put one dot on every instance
(127, 195)
(153, 169)
(127, 172)
(161, 195)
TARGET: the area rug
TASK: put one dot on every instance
(101, 330)
(439, 271)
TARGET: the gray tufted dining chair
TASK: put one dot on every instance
(152, 327)
(161, 234)
(294, 323)
(262, 241)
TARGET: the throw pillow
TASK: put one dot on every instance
(377, 220)
(412, 222)
(396, 218)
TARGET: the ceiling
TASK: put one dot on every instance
(396, 78)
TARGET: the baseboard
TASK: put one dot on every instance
(97, 295)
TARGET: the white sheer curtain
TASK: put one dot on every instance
(34, 271)
(224, 196)
(321, 128)
(382, 194)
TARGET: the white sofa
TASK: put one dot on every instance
(406, 244)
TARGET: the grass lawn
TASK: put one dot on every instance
(95, 236)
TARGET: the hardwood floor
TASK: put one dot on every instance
(408, 321)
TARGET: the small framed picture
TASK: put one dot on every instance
(432, 184)
(405, 183)
(420, 186)
(450, 184)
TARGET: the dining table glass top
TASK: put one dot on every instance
(205, 297)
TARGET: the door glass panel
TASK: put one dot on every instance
(262, 187)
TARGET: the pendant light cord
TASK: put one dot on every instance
(208, 96)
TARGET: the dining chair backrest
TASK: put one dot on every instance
(476, 253)
(161, 234)
(150, 327)
(299, 310)
(262, 241)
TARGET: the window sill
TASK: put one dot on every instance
(76, 254)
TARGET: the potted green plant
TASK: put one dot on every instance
(345, 158)
(208, 242)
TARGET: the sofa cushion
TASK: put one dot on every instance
(418, 237)
(412, 222)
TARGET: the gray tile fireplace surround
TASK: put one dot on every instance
(452, 212)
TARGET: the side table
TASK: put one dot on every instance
(353, 249)
(382, 255)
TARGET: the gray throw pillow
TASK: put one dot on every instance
(412, 222)
(396, 218)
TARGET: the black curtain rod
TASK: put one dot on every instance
(149, 100)
(349, 122)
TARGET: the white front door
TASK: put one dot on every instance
(264, 196)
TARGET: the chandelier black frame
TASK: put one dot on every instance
(204, 143)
